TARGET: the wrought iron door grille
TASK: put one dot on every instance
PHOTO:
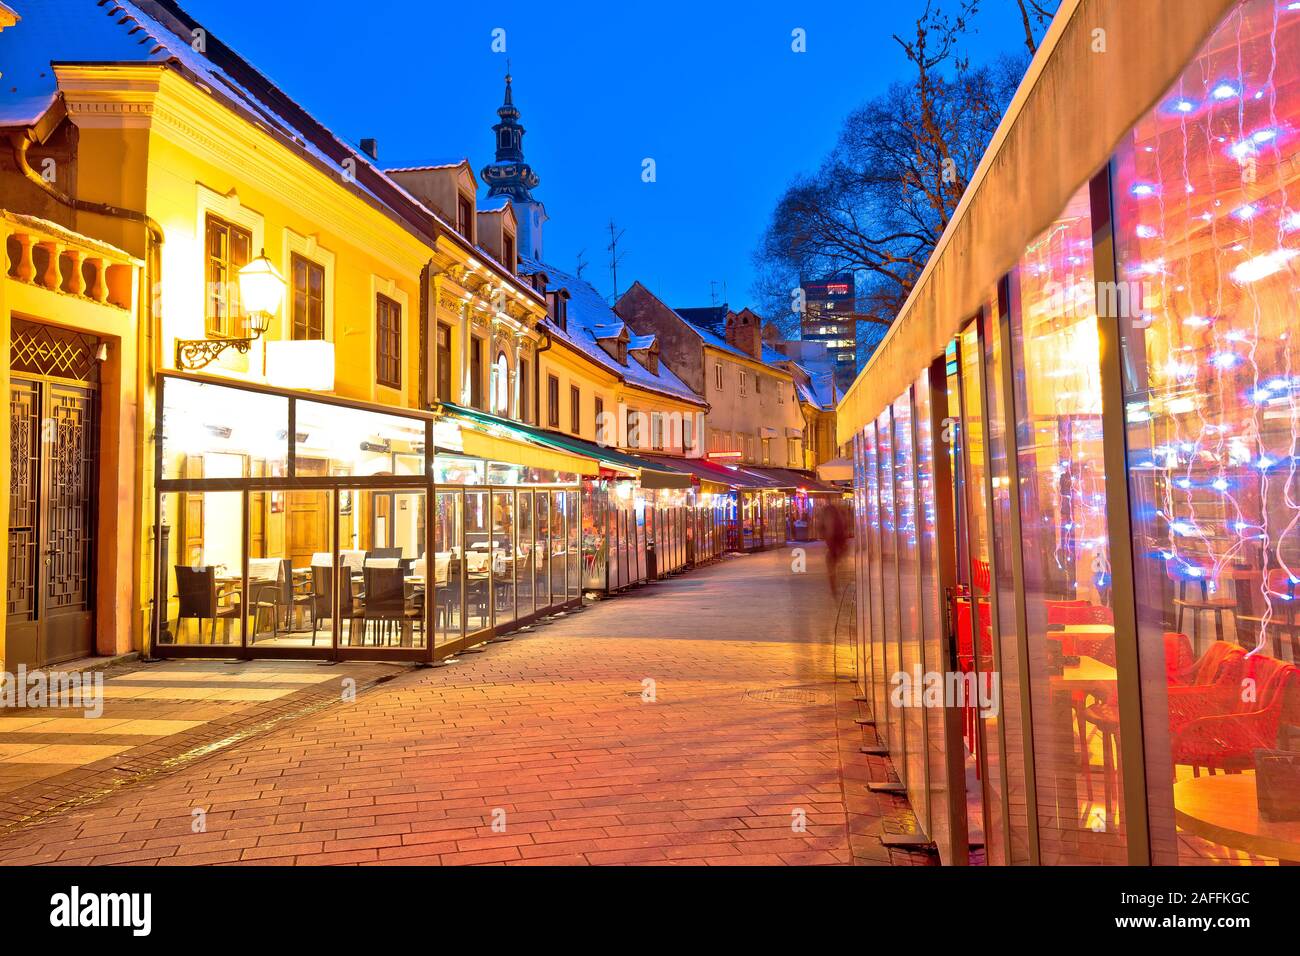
(24, 498)
(70, 507)
(51, 351)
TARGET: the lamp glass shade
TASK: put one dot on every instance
(261, 287)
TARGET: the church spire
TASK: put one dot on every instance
(509, 176)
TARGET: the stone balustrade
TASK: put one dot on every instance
(50, 257)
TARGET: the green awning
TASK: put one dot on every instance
(652, 474)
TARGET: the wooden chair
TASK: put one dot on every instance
(197, 593)
(1215, 605)
(322, 588)
(386, 602)
(269, 597)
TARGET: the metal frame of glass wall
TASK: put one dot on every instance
(502, 555)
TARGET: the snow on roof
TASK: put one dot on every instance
(63, 232)
(42, 36)
(607, 331)
(770, 355)
(635, 342)
(587, 313)
(447, 163)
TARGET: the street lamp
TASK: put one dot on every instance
(261, 290)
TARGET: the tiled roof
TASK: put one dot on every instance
(711, 317)
(590, 318)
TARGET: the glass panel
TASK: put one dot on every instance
(380, 575)
(542, 550)
(596, 539)
(503, 556)
(1066, 549)
(559, 546)
(204, 566)
(934, 634)
(290, 536)
(1016, 805)
(575, 545)
(637, 539)
(909, 582)
(879, 678)
(525, 548)
(976, 632)
(891, 662)
(357, 442)
(207, 428)
(447, 567)
(1208, 242)
(478, 560)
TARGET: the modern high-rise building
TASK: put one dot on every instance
(830, 316)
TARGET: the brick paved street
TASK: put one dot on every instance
(544, 750)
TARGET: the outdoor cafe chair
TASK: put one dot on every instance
(386, 603)
(197, 593)
(270, 588)
(322, 589)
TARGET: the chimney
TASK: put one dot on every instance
(371, 148)
(745, 332)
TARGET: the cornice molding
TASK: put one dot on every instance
(175, 109)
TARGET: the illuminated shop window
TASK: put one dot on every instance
(1208, 241)
(1072, 675)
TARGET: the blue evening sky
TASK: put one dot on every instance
(712, 92)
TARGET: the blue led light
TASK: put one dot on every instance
(1224, 91)
(1220, 484)
(1142, 189)
(1224, 359)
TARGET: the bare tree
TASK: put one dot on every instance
(1034, 16)
(883, 196)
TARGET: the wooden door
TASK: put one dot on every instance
(308, 516)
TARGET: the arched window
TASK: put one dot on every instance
(502, 391)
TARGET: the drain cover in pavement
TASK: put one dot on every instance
(787, 695)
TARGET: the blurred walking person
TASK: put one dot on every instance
(835, 532)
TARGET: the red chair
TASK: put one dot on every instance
(1179, 669)
(966, 663)
(1058, 611)
(1215, 688)
(1228, 741)
(1178, 656)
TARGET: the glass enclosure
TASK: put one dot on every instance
(1207, 233)
(320, 546)
(1118, 718)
